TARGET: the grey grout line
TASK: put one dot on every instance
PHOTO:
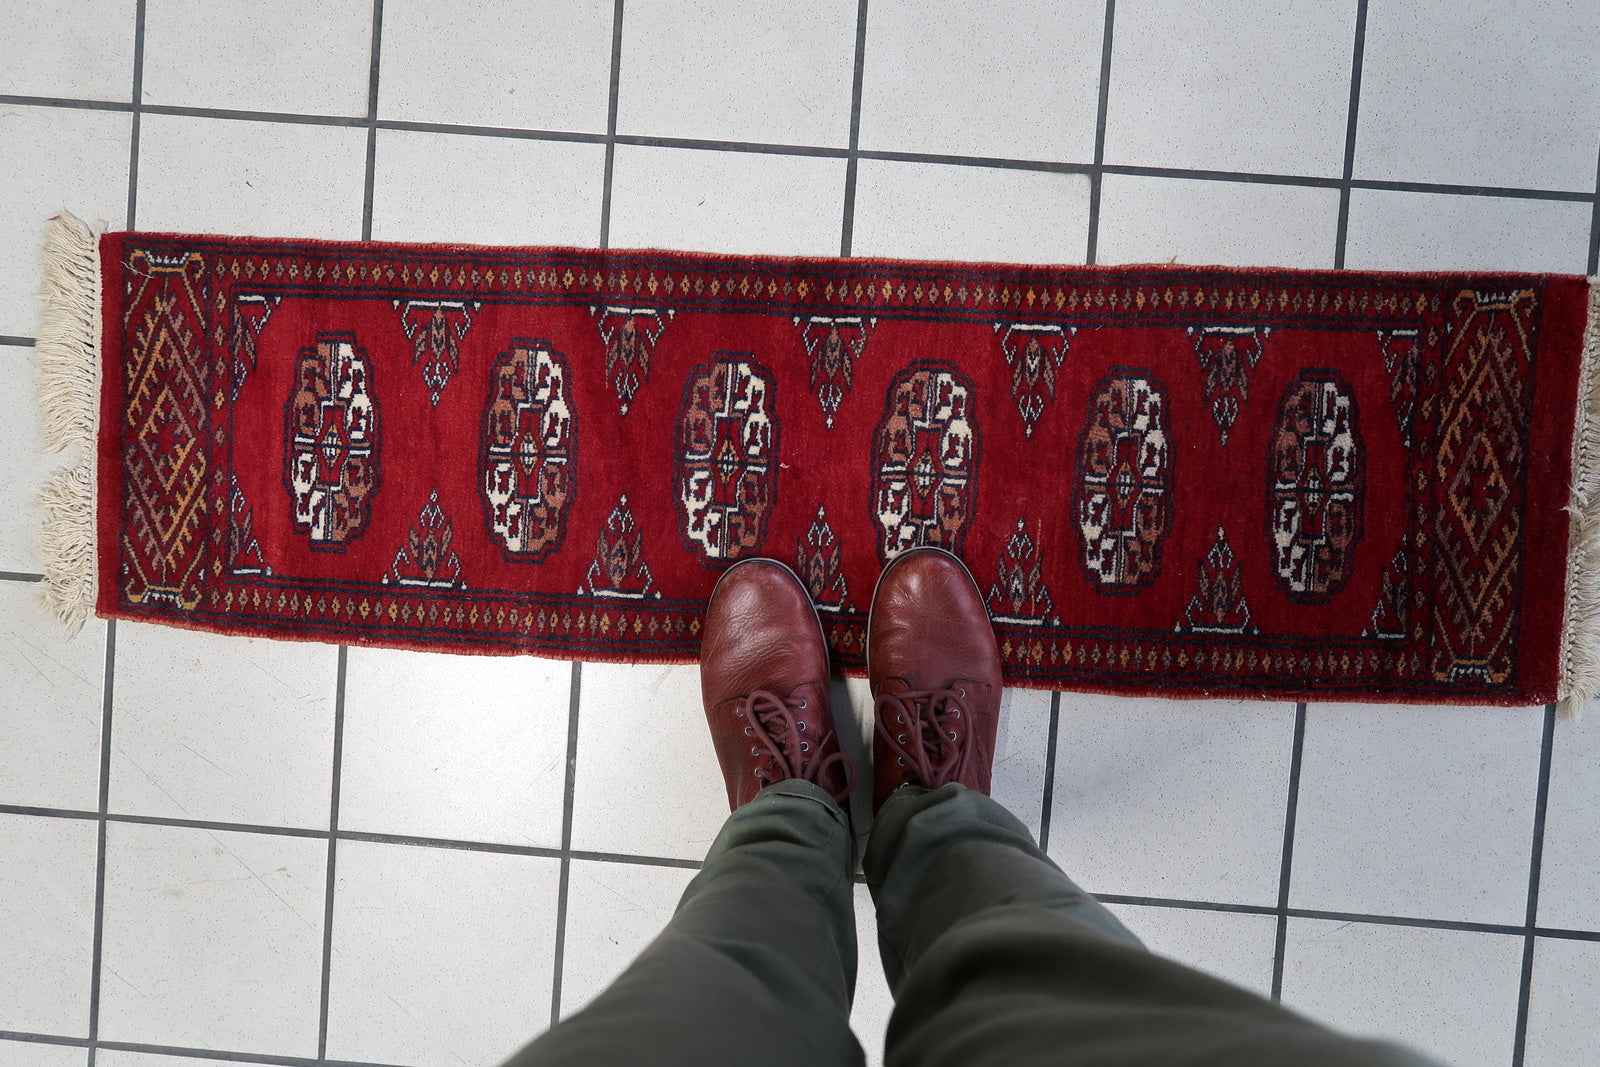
(108, 684)
(333, 848)
(847, 229)
(180, 1051)
(65, 102)
(1097, 176)
(20, 576)
(96, 952)
(369, 837)
(285, 118)
(1290, 812)
(48, 813)
(611, 125)
(509, 133)
(136, 103)
(1517, 929)
(20, 342)
(1594, 227)
(641, 861)
(1357, 61)
(1535, 864)
(1365, 918)
(823, 151)
(1559, 933)
(43, 1039)
(563, 885)
(1184, 905)
(371, 123)
(762, 148)
(221, 827)
(1047, 801)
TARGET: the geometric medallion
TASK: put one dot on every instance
(1123, 496)
(331, 460)
(925, 452)
(727, 466)
(530, 445)
(1315, 492)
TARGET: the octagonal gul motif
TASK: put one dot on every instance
(926, 454)
(332, 462)
(1123, 497)
(1315, 482)
(529, 451)
(727, 458)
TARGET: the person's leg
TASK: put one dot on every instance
(758, 964)
(994, 956)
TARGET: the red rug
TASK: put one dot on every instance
(1166, 479)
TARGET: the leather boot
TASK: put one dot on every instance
(935, 674)
(764, 683)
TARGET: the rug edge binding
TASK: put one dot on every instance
(67, 353)
(1580, 634)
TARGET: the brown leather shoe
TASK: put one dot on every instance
(764, 682)
(935, 675)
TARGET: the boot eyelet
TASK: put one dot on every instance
(804, 747)
(955, 713)
(952, 735)
(901, 719)
(755, 751)
(801, 726)
(901, 761)
(960, 692)
(901, 739)
(749, 732)
(802, 703)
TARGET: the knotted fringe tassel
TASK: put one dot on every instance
(69, 394)
(1580, 637)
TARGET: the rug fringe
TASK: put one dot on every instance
(69, 390)
(1580, 637)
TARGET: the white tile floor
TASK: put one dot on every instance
(295, 854)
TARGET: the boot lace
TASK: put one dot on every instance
(925, 729)
(777, 732)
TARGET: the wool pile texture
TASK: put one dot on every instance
(1165, 480)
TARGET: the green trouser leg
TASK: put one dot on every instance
(758, 964)
(995, 957)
